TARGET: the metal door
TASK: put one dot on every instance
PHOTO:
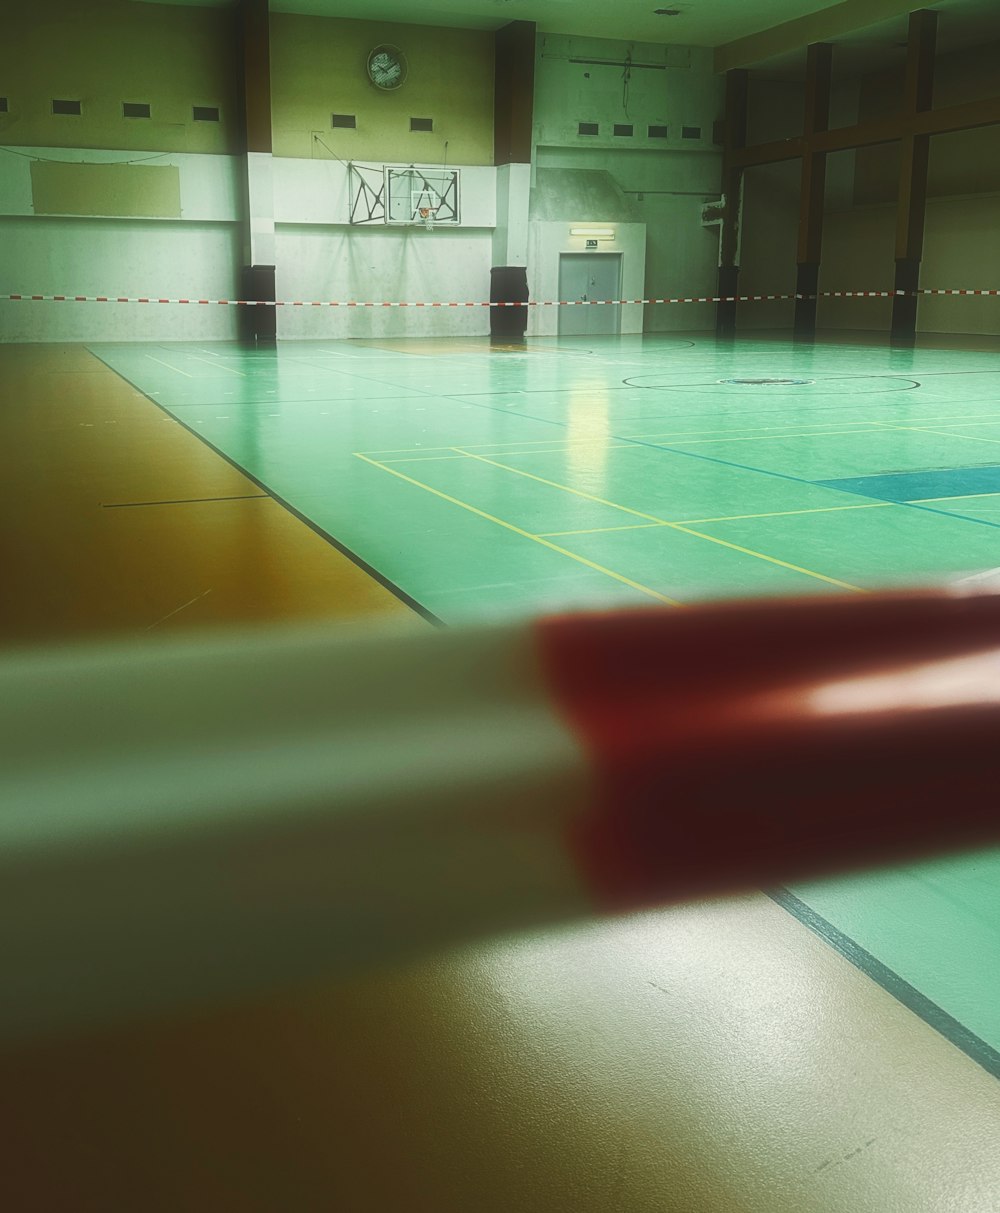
(586, 277)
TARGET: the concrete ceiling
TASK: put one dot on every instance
(762, 33)
(698, 22)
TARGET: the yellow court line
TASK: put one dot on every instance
(169, 367)
(964, 497)
(571, 442)
(590, 564)
(419, 458)
(604, 530)
(919, 429)
(823, 509)
(555, 450)
(827, 509)
(970, 419)
(676, 526)
(762, 437)
(667, 434)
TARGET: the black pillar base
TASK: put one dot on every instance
(806, 286)
(904, 307)
(725, 312)
(508, 284)
(258, 325)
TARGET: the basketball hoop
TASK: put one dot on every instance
(427, 214)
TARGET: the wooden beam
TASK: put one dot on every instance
(737, 85)
(256, 74)
(911, 201)
(513, 92)
(964, 117)
(258, 324)
(812, 193)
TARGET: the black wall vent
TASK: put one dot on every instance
(205, 113)
(135, 109)
(588, 128)
(67, 107)
(421, 124)
(347, 121)
(3, 105)
(623, 128)
(658, 132)
(690, 132)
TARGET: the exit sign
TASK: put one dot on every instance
(591, 244)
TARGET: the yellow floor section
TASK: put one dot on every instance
(113, 518)
(718, 1058)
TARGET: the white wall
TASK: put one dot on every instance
(667, 181)
(195, 256)
(57, 256)
(321, 257)
(323, 262)
(547, 239)
(667, 191)
(211, 186)
(581, 80)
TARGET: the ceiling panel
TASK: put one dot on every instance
(697, 23)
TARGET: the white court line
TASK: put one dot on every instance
(221, 365)
(169, 367)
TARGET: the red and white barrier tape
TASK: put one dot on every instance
(504, 303)
(194, 819)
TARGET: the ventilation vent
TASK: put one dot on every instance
(67, 107)
(658, 132)
(623, 129)
(588, 128)
(690, 132)
(3, 105)
(135, 109)
(348, 122)
(205, 113)
(421, 124)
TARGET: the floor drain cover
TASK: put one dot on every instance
(768, 382)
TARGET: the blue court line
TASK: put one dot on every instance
(742, 467)
(905, 487)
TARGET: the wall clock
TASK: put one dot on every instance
(387, 67)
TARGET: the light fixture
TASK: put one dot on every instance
(594, 233)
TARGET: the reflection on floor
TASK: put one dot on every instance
(713, 1058)
(621, 471)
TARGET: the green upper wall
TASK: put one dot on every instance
(105, 52)
(318, 68)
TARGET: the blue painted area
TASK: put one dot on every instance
(922, 486)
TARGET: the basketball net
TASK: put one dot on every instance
(427, 216)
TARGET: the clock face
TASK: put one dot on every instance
(386, 67)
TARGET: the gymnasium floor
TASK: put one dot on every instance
(620, 471)
(578, 473)
(770, 1072)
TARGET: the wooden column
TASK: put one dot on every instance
(918, 98)
(258, 278)
(513, 92)
(732, 188)
(513, 123)
(813, 189)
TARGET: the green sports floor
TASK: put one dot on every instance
(484, 482)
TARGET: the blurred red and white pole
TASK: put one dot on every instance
(190, 820)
